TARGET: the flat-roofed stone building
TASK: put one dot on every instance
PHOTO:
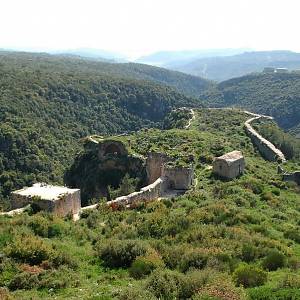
(229, 165)
(59, 200)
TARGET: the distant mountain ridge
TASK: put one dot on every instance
(170, 59)
(184, 83)
(225, 67)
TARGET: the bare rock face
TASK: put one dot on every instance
(103, 163)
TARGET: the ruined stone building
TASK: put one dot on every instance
(59, 200)
(229, 165)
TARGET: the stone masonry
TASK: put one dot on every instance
(55, 199)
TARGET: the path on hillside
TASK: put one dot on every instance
(191, 119)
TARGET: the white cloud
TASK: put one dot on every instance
(135, 27)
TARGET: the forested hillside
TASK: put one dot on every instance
(277, 95)
(47, 107)
(188, 84)
(226, 67)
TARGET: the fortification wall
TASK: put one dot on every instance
(154, 165)
(178, 178)
(266, 148)
(148, 193)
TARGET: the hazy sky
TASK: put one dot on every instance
(137, 27)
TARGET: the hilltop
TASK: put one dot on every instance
(272, 94)
(201, 245)
(184, 83)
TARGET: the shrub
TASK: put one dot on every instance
(44, 227)
(249, 276)
(290, 281)
(119, 253)
(39, 225)
(29, 249)
(24, 281)
(274, 260)
(249, 253)
(34, 251)
(130, 293)
(4, 294)
(221, 288)
(293, 234)
(194, 280)
(266, 293)
(267, 196)
(194, 258)
(172, 255)
(165, 284)
(8, 269)
(144, 265)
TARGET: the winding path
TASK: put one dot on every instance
(191, 119)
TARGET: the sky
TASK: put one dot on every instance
(139, 27)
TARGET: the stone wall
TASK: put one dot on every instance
(292, 177)
(266, 148)
(230, 171)
(154, 165)
(69, 203)
(178, 178)
(148, 193)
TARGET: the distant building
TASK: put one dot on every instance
(59, 200)
(229, 165)
(282, 70)
(269, 70)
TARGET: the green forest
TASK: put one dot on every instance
(272, 94)
(46, 110)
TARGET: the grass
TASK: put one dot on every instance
(208, 228)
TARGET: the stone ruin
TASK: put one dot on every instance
(286, 176)
(163, 180)
(59, 200)
(229, 165)
(265, 147)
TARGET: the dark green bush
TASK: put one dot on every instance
(293, 234)
(29, 249)
(266, 293)
(274, 260)
(165, 284)
(249, 276)
(194, 258)
(24, 281)
(249, 253)
(119, 253)
(144, 265)
(44, 227)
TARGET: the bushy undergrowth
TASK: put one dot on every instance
(249, 276)
(119, 253)
(221, 240)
